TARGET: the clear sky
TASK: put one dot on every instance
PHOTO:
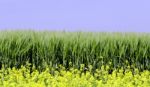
(74, 15)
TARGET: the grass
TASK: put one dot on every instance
(71, 49)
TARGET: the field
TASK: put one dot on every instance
(76, 59)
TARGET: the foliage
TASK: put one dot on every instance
(72, 78)
(71, 49)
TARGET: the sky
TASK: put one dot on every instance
(76, 15)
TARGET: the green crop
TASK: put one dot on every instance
(71, 49)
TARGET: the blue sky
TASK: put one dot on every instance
(75, 15)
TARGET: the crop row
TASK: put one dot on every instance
(71, 49)
(72, 78)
